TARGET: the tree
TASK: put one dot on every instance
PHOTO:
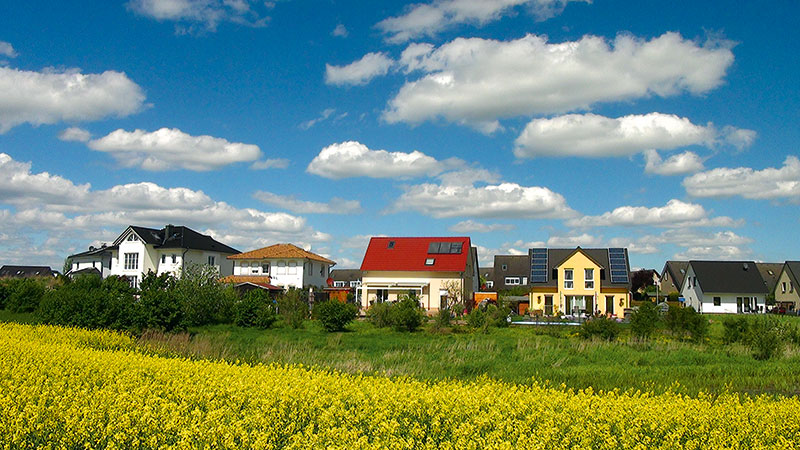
(641, 279)
(645, 320)
(453, 289)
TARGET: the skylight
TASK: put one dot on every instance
(429, 261)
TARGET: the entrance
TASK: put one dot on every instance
(548, 305)
(610, 304)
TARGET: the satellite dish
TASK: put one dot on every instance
(329, 281)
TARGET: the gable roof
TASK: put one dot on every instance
(735, 277)
(94, 251)
(346, 275)
(410, 254)
(177, 236)
(281, 251)
(770, 273)
(599, 256)
(793, 270)
(677, 272)
(26, 271)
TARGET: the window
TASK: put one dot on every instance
(512, 280)
(163, 259)
(131, 261)
(322, 270)
(791, 286)
(429, 261)
(717, 301)
(568, 279)
(281, 268)
(265, 268)
(588, 277)
(391, 244)
(783, 287)
(211, 260)
(382, 295)
(338, 284)
(133, 281)
(355, 283)
(505, 267)
(292, 268)
(174, 258)
(490, 284)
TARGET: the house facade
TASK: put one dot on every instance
(286, 265)
(786, 294)
(511, 271)
(139, 250)
(672, 276)
(440, 271)
(487, 278)
(580, 281)
(727, 287)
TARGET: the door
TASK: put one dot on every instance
(548, 305)
(610, 304)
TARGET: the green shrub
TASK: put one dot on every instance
(89, 302)
(203, 299)
(477, 319)
(765, 338)
(255, 309)
(158, 308)
(645, 320)
(25, 295)
(7, 287)
(334, 315)
(601, 327)
(673, 296)
(686, 321)
(406, 314)
(378, 314)
(735, 329)
(293, 307)
(497, 315)
(443, 319)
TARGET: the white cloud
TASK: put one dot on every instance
(478, 81)
(7, 50)
(75, 134)
(680, 164)
(353, 159)
(335, 206)
(505, 200)
(18, 186)
(359, 72)
(277, 163)
(208, 13)
(340, 31)
(769, 183)
(167, 149)
(674, 214)
(738, 137)
(638, 247)
(51, 96)
(574, 240)
(322, 117)
(591, 135)
(693, 238)
(717, 253)
(470, 226)
(431, 18)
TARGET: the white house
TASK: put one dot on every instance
(724, 287)
(286, 265)
(139, 250)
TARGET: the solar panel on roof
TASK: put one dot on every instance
(619, 265)
(539, 265)
(445, 247)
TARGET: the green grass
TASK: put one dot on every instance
(8, 316)
(515, 355)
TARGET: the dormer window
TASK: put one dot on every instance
(391, 244)
(429, 261)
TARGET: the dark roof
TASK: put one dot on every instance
(486, 272)
(86, 271)
(728, 277)
(411, 254)
(556, 256)
(793, 268)
(677, 272)
(770, 273)
(174, 236)
(26, 271)
(94, 251)
(346, 275)
(515, 265)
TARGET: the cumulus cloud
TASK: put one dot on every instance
(51, 96)
(505, 200)
(591, 135)
(428, 19)
(353, 159)
(471, 226)
(674, 214)
(359, 72)
(18, 186)
(574, 240)
(717, 253)
(478, 81)
(769, 183)
(340, 31)
(75, 134)
(680, 164)
(171, 148)
(335, 206)
(276, 163)
(207, 14)
(7, 50)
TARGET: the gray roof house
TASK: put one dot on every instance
(724, 287)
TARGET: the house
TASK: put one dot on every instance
(770, 273)
(486, 279)
(672, 276)
(26, 272)
(440, 271)
(139, 250)
(349, 278)
(786, 294)
(511, 271)
(286, 265)
(245, 284)
(580, 281)
(724, 287)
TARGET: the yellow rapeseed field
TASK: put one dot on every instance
(72, 388)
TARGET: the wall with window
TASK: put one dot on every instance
(786, 291)
(219, 260)
(390, 286)
(727, 303)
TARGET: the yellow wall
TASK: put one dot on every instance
(435, 281)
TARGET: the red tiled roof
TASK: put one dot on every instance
(281, 251)
(410, 253)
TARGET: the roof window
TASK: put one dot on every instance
(391, 244)
(429, 261)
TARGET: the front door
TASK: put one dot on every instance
(548, 305)
(610, 304)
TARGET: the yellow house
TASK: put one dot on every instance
(579, 281)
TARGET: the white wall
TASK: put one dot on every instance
(304, 273)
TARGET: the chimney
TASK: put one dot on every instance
(167, 231)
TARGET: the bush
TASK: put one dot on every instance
(159, 307)
(293, 307)
(683, 321)
(7, 287)
(255, 309)
(334, 315)
(735, 329)
(442, 320)
(406, 314)
(203, 299)
(25, 295)
(765, 337)
(89, 302)
(477, 319)
(378, 315)
(601, 327)
(673, 296)
(645, 320)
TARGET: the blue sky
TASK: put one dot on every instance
(670, 128)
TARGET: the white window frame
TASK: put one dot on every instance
(281, 268)
(292, 268)
(131, 261)
(588, 279)
(355, 283)
(512, 281)
(489, 284)
(338, 284)
(569, 281)
(212, 259)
